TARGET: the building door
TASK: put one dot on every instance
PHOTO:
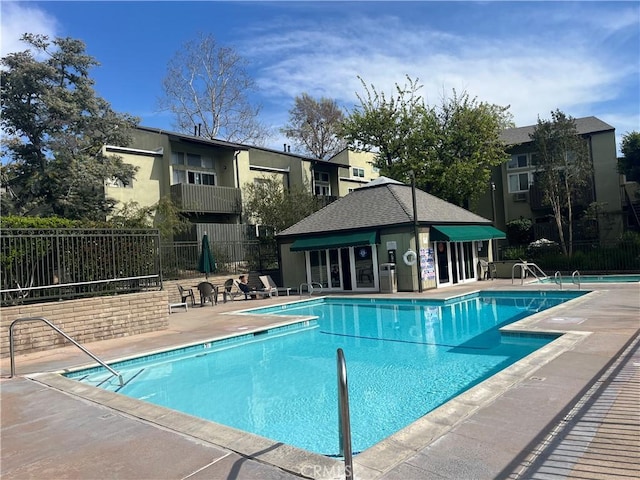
(345, 270)
(442, 259)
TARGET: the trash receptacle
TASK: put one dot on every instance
(388, 278)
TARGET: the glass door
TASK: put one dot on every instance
(364, 267)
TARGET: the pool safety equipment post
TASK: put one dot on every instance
(416, 234)
(344, 423)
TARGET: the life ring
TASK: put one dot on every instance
(410, 258)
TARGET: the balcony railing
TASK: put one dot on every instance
(536, 198)
(206, 198)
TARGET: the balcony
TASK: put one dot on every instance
(580, 199)
(206, 198)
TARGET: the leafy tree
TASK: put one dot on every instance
(55, 127)
(450, 149)
(313, 126)
(629, 163)
(270, 204)
(468, 146)
(207, 88)
(520, 231)
(164, 216)
(563, 169)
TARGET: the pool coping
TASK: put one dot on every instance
(370, 463)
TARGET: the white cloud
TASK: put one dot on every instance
(18, 19)
(535, 72)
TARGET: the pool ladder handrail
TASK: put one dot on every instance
(344, 422)
(42, 319)
(527, 267)
(311, 287)
(574, 275)
(557, 278)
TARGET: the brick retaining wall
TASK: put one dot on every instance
(84, 320)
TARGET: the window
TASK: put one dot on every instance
(322, 186)
(520, 160)
(177, 158)
(519, 182)
(321, 177)
(194, 160)
(191, 159)
(194, 178)
(199, 178)
(358, 172)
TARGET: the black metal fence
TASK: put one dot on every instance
(50, 264)
(180, 259)
(621, 256)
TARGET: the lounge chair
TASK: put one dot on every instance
(231, 290)
(252, 293)
(268, 282)
(207, 292)
(186, 293)
(267, 287)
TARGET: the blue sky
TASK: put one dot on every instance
(580, 57)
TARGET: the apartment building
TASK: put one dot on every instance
(206, 178)
(515, 193)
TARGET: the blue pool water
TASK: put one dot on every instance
(595, 279)
(404, 359)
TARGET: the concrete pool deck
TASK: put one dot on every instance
(568, 411)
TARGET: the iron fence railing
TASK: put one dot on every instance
(180, 259)
(622, 256)
(54, 264)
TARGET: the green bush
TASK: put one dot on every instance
(38, 222)
(513, 253)
(519, 231)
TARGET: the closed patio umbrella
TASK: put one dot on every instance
(206, 262)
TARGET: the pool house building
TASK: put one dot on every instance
(371, 235)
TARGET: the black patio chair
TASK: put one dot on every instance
(187, 293)
(208, 292)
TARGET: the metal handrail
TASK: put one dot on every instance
(574, 275)
(557, 278)
(524, 268)
(42, 319)
(344, 422)
(310, 287)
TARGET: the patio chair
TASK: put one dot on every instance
(267, 287)
(272, 284)
(207, 292)
(487, 270)
(186, 293)
(251, 293)
(231, 290)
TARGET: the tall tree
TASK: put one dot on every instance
(563, 169)
(629, 163)
(313, 126)
(450, 148)
(207, 88)
(268, 203)
(55, 127)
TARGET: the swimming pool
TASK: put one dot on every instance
(404, 358)
(568, 280)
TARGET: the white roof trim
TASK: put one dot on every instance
(114, 148)
(269, 169)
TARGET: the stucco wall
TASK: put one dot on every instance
(145, 188)
(84, 320)
(607, 184)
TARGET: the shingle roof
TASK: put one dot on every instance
(516, 136)
(382, 203)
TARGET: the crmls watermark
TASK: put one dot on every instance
(325, 472)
